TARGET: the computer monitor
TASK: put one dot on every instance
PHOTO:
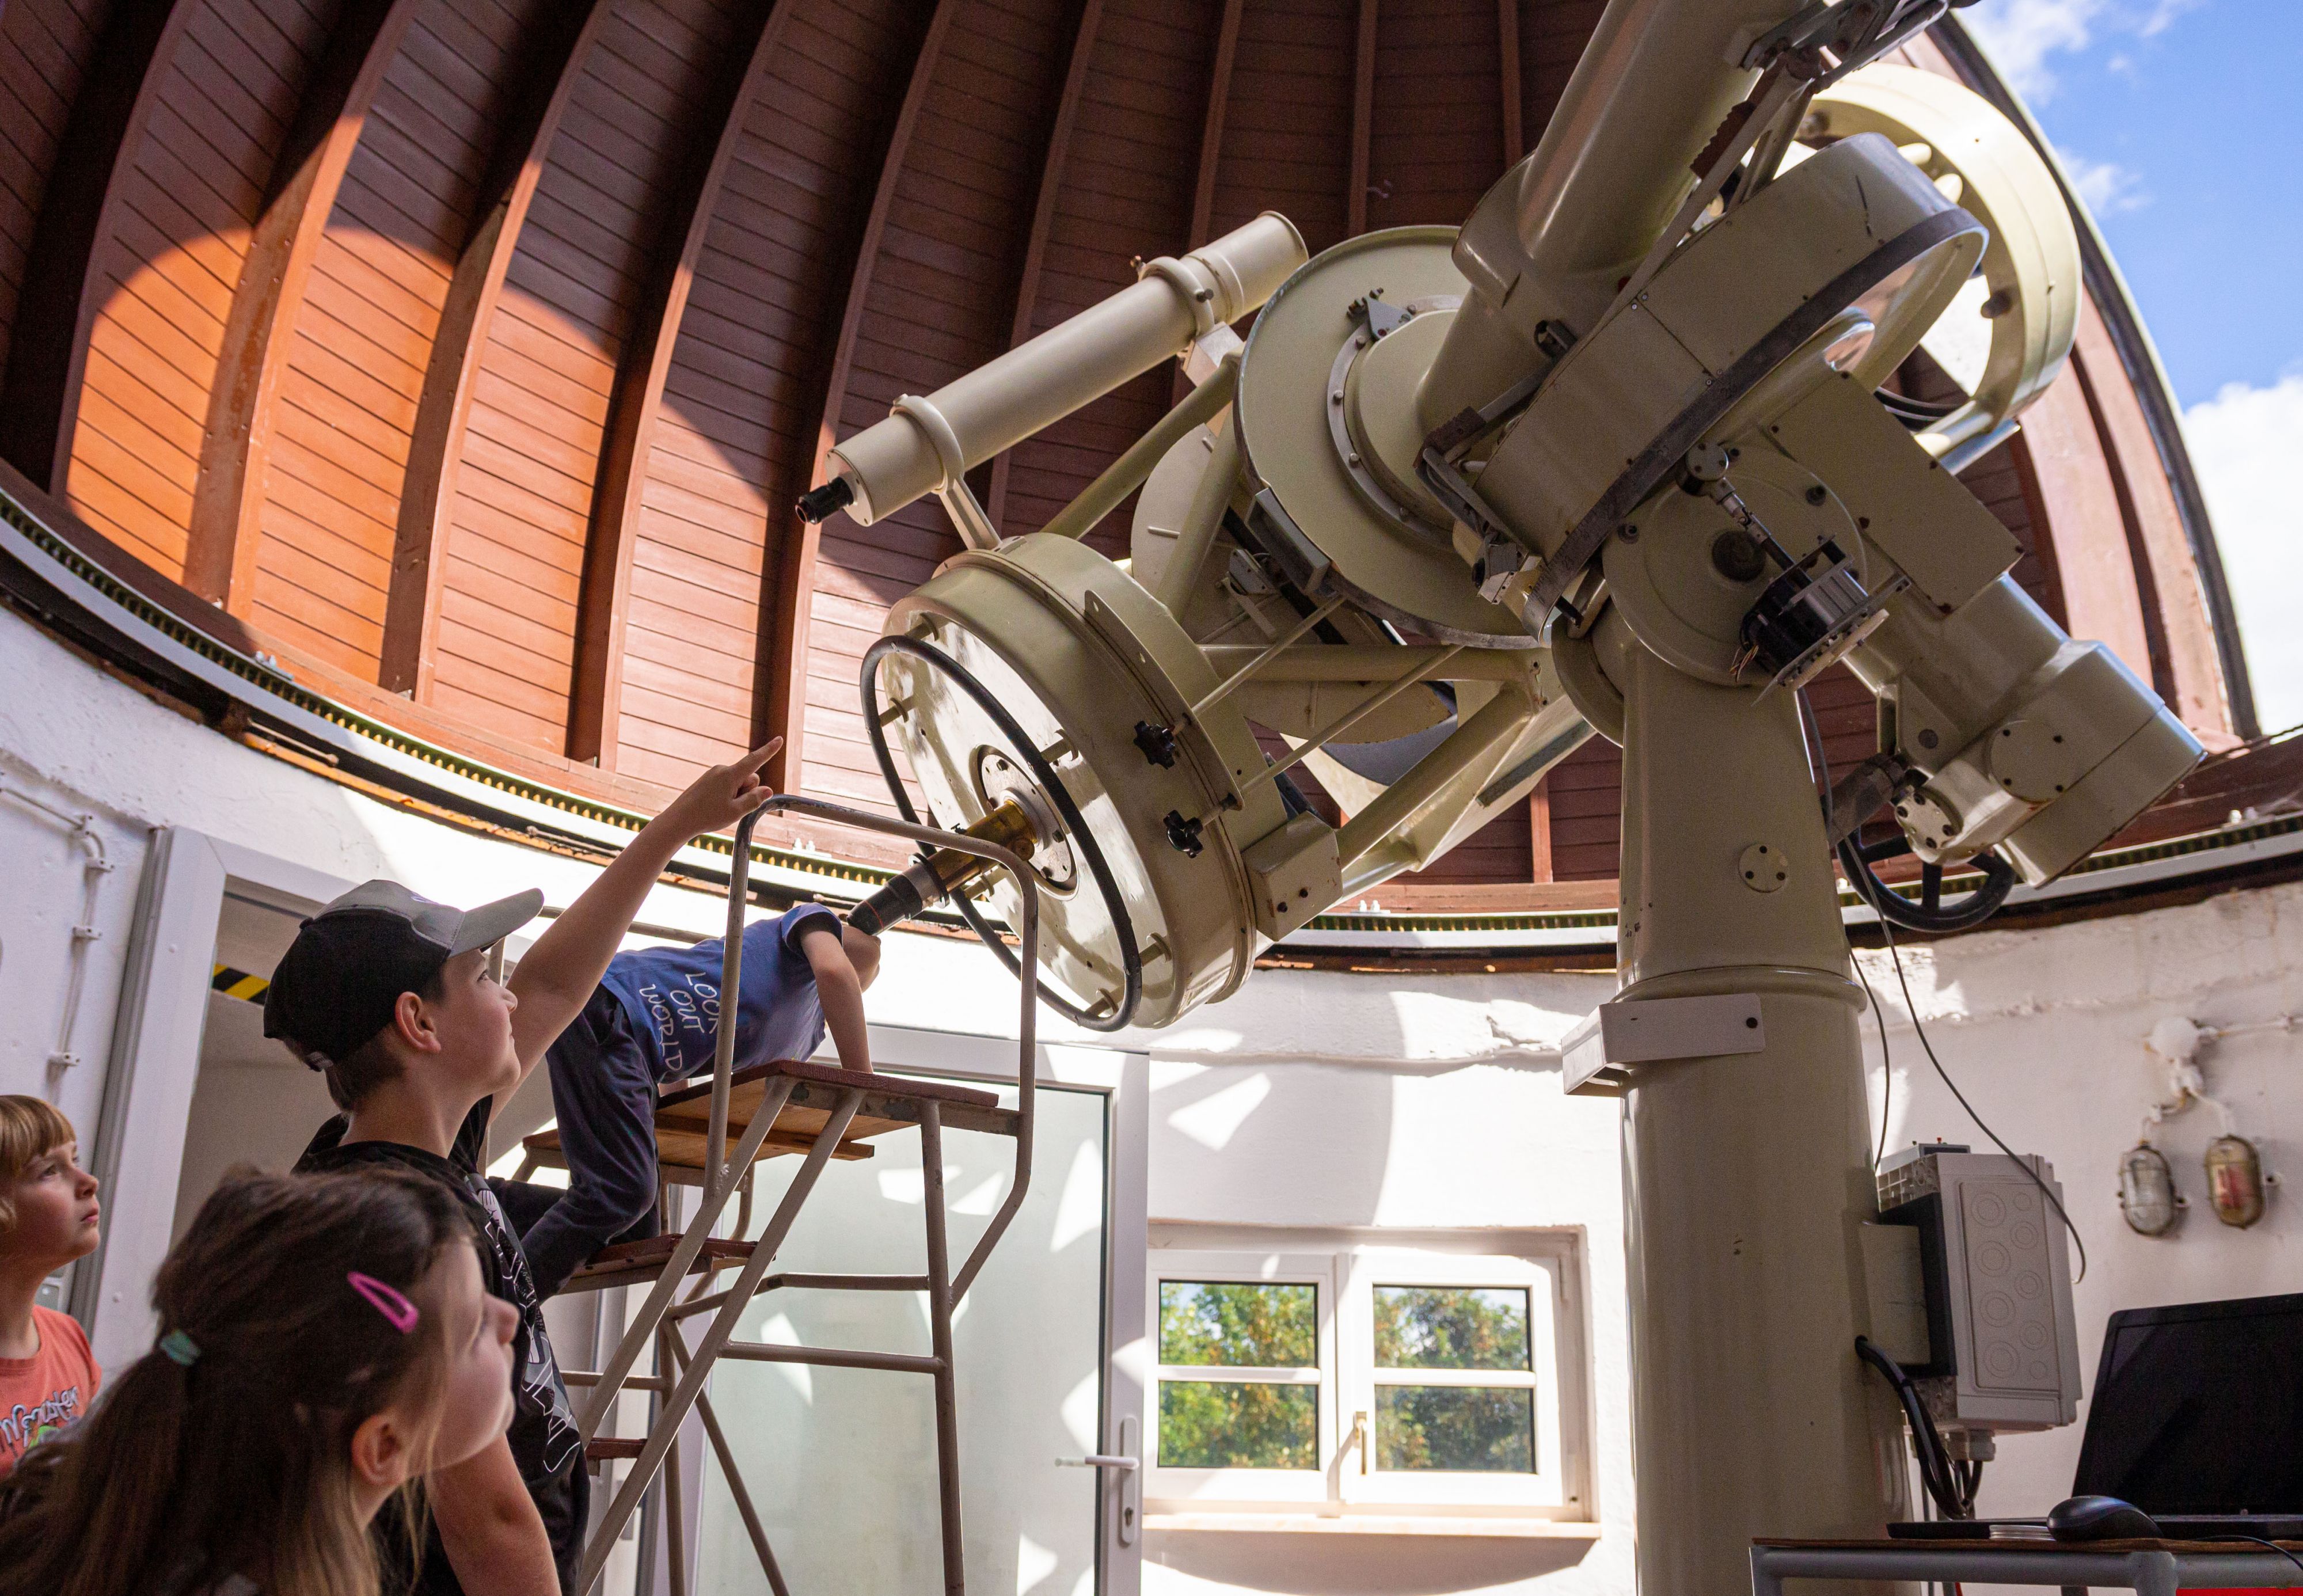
(2199, 1409)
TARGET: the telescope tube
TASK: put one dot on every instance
(928, 442)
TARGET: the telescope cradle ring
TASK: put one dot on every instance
(1076, 824)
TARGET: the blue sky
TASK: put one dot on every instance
(2182, 123)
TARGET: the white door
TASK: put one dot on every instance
(840, 1463)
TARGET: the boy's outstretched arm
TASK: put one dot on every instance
(842, 971)
(556, 977)
(490, 1528)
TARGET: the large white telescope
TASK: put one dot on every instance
(1616, 455)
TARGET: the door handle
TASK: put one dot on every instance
(1130, 1470)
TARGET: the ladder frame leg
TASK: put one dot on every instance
(734, 1474)
(666, 1430)
(715, 1196)
(675, 1527)
(947, 1379)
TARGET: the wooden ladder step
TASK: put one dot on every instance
(680, 1152)
(612, 1448)
(891, 1102)
(629, 1262)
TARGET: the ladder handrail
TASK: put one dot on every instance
(656, 1316)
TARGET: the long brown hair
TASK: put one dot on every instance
(233, 1455)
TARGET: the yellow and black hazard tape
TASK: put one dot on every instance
(239, 983)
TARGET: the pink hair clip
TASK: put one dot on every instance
(396, 1310)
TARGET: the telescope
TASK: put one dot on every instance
(1621, 456)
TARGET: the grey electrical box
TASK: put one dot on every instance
(2001, 1350)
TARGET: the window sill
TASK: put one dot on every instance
(1371, 1524)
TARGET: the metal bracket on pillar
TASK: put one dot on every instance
(1594, 1056)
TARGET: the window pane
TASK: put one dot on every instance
(1203, 1424)
(1239, 1326)
(1465, 1428)
(1446, 1326)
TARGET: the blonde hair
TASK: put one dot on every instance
(237, 1460)
(30, 1129)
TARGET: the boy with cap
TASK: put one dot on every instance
(390, 994)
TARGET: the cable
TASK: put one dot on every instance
(1820, 764)
(2053, 1201)
(2274, 1545)
(1945, 1481)
(1886, 1063)
(1929, 915)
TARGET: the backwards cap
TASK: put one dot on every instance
(340, 980)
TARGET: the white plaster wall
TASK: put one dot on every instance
(43, 880)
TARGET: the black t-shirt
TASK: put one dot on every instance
(545, 1442)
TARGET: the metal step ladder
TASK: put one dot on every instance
(817, 1113)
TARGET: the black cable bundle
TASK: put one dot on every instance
(1951, 1482)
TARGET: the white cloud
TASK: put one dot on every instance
(2107, 187)
(2020, 35)
(2245, 443)
(2163, 14)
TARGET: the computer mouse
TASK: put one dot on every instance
(2100, 1518)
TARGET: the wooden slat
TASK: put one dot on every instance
(1044, 217)
(1538, 831)
(220, 551)
(63, 285)
(1355, 197)
(717, 121)
(1289, 127)
(1211, 131)
(789, 663)
(2186, 667)
(553, 60)
(45, 49)
(687, 1150)
(1513, 107)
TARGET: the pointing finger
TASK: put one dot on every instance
(750, 763)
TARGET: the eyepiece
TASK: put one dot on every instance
(818, 503)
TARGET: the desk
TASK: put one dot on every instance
(2148, 1568)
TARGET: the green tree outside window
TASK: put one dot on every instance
(1454, 1428)
(1232, 1423)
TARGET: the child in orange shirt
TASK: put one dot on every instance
(47, 1218)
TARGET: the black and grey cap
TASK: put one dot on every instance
(340, 980)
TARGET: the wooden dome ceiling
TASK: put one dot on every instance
(466, 356)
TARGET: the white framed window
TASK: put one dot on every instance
(1378, 1373)
(1245, 1349)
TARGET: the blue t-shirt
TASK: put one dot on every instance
(672, 995)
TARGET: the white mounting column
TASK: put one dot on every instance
(1745, 1175)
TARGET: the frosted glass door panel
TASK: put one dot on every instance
(840, 1462)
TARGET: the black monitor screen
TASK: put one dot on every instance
(2199, 1409)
